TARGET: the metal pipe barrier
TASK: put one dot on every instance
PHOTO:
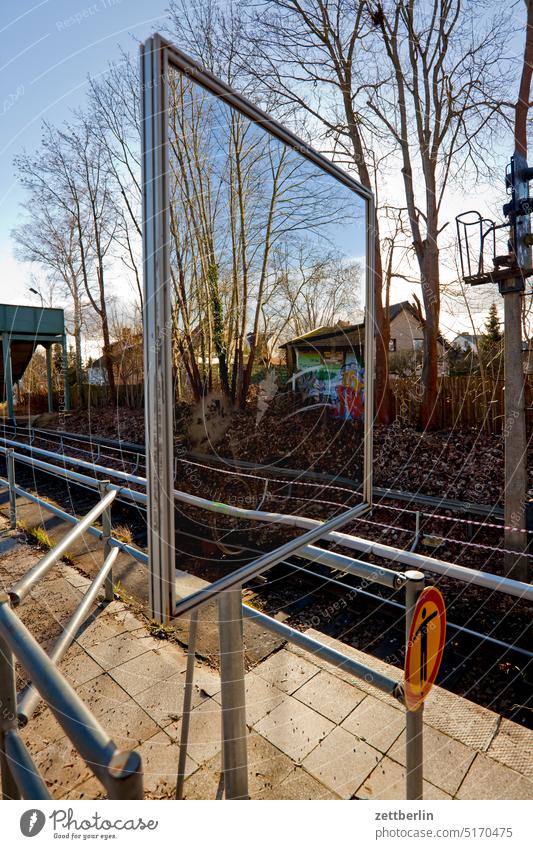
(231, 611)
(29, 700)
(119, 772)
(23, 586)
(487, 580)
(232, 672)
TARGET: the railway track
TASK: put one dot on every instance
(490, 662)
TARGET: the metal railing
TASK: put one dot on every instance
(227, 592)
(22, 778)
(465, 574)
(120, 772)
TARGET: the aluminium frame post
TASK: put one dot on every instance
(369, 359)
(414, 719)
(158, 385)
(106, 537)
(8, 712)
(10, 463)
(234, 732)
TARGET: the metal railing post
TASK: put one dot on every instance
(10, 462)
(106, 536)
(414, 720)
(8, 712)
(187, 704)
(234, 742)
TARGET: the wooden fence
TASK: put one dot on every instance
(464, 401)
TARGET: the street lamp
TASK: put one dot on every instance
(35, 292)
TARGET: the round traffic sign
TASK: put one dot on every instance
(424, 646)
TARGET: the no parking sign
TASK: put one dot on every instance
(424, 646)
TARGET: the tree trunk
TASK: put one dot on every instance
(431, 297)
(383, 395)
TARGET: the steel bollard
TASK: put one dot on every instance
(8, 712)
(414, 720)
(10, 462)
(234, 733)
(106, 536)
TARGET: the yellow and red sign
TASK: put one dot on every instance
(424, 646)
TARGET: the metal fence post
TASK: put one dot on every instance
(234, 742)
(106, 536)
(10, 461)
(8, 712)
(187, 704)
(414, 720)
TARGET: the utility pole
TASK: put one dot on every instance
(510, 272)
(514, 429)
(516, 563)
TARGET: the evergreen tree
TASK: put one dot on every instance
(491, 344)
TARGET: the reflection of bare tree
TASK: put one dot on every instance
(310, 291)
(237, 196)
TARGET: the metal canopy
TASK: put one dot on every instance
(157, 56)
(22, 328)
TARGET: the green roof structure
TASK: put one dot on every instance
(22, 329)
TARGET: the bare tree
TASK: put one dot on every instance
(50, 241)
(67, 174)
(442, 101)
(308, 53)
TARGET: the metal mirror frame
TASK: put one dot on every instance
(156, 56)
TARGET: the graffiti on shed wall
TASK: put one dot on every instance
(333, 382)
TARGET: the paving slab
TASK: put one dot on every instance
(471, 724)
(376, 723)
(204, 731)
(341, 762)
(387, 781)
(163, 701)
(102, 693)
(160, 757)
(267, 769)
(329, 695)
(294, 728)
(119, 649)
(489, 779)
(446, 761)
(286, 671)
(261, 697)
(147, 669)
(128, 724)
(513, 746)
(300, 786)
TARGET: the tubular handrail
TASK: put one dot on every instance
(324, 652)
(23, 586)
(22, 767)
(265, 561)
(29, 700)
(487, 580)
(119, 772)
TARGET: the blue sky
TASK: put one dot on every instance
(47, 50)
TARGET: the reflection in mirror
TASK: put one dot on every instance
(268, 272)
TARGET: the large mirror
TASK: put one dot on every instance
(258, 316)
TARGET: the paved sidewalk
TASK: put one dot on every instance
(313, 734)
